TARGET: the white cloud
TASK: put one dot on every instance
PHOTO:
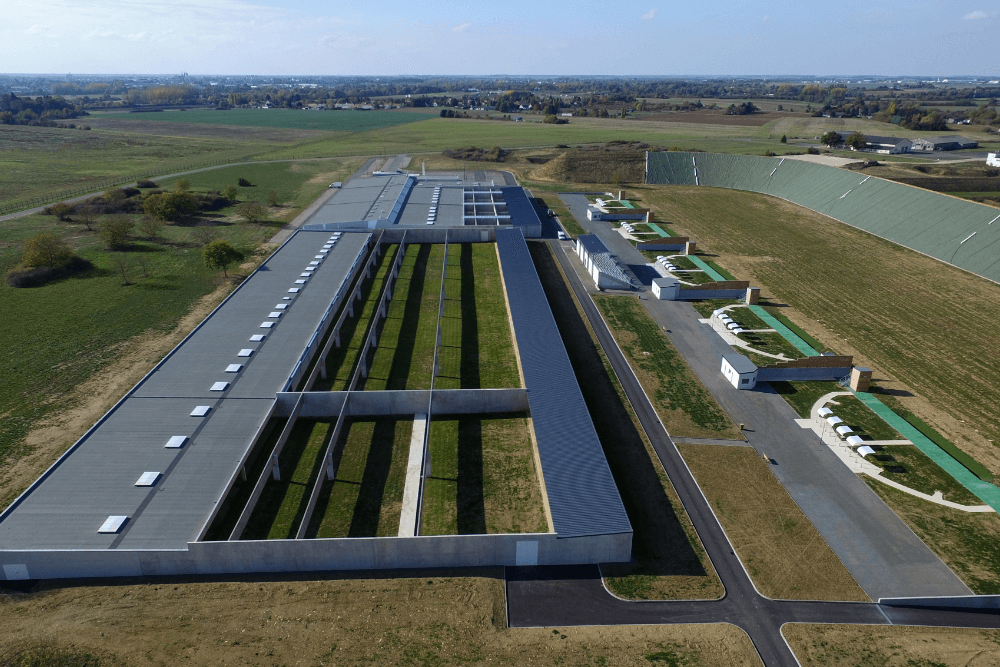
(978, 14)
(461, 27)
(649, 16)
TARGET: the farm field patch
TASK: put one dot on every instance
(483, 477)
(330, 121)
(797, 255)
(779, 547)
(669, 561)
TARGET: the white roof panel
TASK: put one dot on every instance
(245, 352)
(113, 524)
(147, 479)
(234, 368)
(220, 386)
(201, 410)
(176, 441)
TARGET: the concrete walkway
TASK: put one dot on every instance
(408, 518)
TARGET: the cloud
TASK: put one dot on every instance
(766, 19)
(648, 16)
(978, 14)
(461, 27)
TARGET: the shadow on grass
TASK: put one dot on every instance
(368, 509)
(469, 364)
(660, 546)
(471, 503)
(402, 359)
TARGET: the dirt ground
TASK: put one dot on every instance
(95, 397)
(427, 620)
(893, 646)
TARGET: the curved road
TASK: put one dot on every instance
(555, 596)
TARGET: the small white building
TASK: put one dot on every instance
(739, 370)
(993, 159)
(600, 263)
(666, 289)
(593, 213)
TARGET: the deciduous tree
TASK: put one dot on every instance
(46, 249)
(218, 254)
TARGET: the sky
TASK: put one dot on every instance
(584, 37)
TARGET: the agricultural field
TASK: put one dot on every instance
(291, 119)
(483, 477)
(891, 645)
(968, 542)
(928, 359)
(687, 409)
(430, 618)
(366, 496)
(669, 561)
(782, 552)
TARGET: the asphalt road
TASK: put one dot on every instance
(554, 596)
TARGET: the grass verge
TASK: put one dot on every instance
(860, 417)
(783, 553)
(803, 395)
(366, 496)
(685, 406)
(483, 478)
(910, 467)
(669, 561)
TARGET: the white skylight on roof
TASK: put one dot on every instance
(315, 262)
(274, 313)
(300, 282)
(176, 441)
(318, 257)
(219, 386)
(256, 338)
(294, 290)
(307, 269)
(112, 524)
(281, 306)
(147, 479)
(234, 368)
(266, 325)
(201, 410)
(304, 275)
(245, 352)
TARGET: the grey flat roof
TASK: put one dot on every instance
(96, 479)
(592, 244)
(740, 363)
(582, 494)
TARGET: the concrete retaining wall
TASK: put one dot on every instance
(801, 374)
(670, 246)
(693, 294)
(321, 554)
(400, 402)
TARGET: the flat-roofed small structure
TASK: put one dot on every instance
(600, 263)
(739, 370)
(666, 289)
(954, 143)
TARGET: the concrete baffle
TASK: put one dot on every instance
(753, 295)
(861, 378)
(689, 247)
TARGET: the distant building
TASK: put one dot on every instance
(993, 159)
(884, 145)
(943, 144)
(600, 263)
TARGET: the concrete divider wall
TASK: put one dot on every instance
(248, 556)
(801, 374)
(662, 246)
(405, 402)
(693, 294)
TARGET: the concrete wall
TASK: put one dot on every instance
(399, 402)
(801, 374)
(693, 294)
(316, 555)
(666, 245)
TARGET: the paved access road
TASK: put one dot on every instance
(559, 596)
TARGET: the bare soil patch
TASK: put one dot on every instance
(781, 550)
(90, 400)
(892, 645)
(435, 619)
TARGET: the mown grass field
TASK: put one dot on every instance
(780, 548)
(483, 477)
(366, 496)
(860, 417)
(292, 119)
(803, 395)
(909, 466)
(669, 561)
(969, 543)
(907, 316)
(282, 505)
(687, 409)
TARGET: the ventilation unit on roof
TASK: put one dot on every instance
(147, 479)
(176, 442)
(112, 524)
(201, 410)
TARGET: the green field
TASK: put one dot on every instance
(803, 395)
(681, 400)
(341, 361)
(366, 497)
(295, 119)
(860, 417)
(483, 478)
(282, 505)
(910, 317)
(669, 561)
(910, 467)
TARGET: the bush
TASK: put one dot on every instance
(251, 211)
(812, 151)
(244, 183)
(204, 234)
(114, 231)
(170, 205)
(150, 227)
(273, 198)
(36, 277)
(231, 192)
(146, 184)
(219, 255)
(46, 249)
(62, 210)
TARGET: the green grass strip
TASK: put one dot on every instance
(799, 332)
(977, 469)
(700, 263)
(721, 271)
(785, 332)
(985, 491)
(659, 230)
